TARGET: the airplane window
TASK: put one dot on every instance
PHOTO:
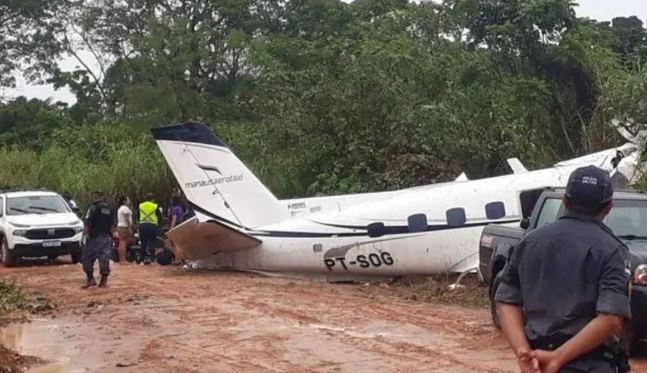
(417, 223)
(495, 210)
(456, 217)
(376, 229)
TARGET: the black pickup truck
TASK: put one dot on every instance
(627, 219)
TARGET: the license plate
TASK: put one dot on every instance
(52, 244)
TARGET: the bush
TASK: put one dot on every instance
(81, 160)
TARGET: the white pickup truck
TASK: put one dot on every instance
(37, 224)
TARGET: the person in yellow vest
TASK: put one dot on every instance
(149, 219)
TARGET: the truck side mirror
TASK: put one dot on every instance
(525, 223)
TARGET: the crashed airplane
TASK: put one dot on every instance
(241, 225)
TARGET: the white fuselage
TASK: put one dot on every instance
(419, 231)
(336, 244)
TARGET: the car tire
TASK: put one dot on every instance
(76, 256)
(495, 286)
(7, 256)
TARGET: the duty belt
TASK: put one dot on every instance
(601, 353)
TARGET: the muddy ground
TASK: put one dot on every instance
(162, 319)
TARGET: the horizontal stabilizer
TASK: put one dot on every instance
(194, 240)
(516, 166)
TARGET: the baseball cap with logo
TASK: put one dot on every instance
(589, 186)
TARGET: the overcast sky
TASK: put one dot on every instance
(603, 10)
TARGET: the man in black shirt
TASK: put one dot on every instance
(99, 224)
(565, 290)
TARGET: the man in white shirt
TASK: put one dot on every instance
(124, 227)
(68, 198)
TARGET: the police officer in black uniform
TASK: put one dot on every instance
(99, 223)
(565, 291)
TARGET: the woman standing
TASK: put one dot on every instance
(124, 226)
(177, 213)
(177, 217)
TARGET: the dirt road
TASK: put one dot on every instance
(162, 319)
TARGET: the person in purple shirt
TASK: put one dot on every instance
(177, 217)
(177, 213)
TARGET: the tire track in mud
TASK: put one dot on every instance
(173, 321)
(384, 348)
(393, 350)
(229, 342)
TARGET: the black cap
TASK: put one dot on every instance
(589, 186)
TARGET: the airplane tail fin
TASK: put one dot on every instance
(213, 179)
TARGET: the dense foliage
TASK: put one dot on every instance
(317, 96)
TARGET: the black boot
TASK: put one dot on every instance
(90, 283)
(104, 281)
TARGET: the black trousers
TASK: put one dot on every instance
(147, 237)
(597, 361)
(588, 366)
(97, 248)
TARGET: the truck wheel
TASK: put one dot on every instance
(76, 256)
(493, 311)
(8, 257)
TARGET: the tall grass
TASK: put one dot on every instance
(131, 168)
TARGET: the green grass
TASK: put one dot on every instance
(12, 299)
(129, 168)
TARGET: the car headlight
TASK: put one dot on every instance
(640, 275)
(78, 230)
(19, 233)
(19, 225)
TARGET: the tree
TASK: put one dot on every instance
(28, 30)
(30, 123)
(629, 38)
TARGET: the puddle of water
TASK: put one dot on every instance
(51, 341)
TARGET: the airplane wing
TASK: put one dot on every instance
(603, 159)
(194, 240)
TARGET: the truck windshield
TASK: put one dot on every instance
(36, 205)
(627, 219)
(549, 211)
